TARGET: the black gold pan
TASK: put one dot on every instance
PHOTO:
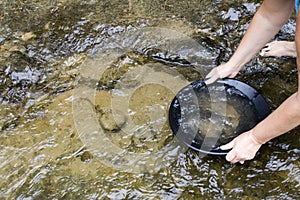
(195, 106)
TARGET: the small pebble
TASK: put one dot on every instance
(86, 156)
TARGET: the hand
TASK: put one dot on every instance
(243, 147)
(222, 71)
(279, 48)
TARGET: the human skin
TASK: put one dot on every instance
(279, 48)
(267, 21)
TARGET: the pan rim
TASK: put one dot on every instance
(259, 102)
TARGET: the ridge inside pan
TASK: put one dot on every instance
(206, 117)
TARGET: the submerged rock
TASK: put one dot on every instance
(86, 156)
(109, 118)
(112, 120)
(221, 124)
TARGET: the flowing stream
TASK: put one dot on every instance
(85, 88)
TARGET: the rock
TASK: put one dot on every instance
(232, 116)
(221, 122)
(103, 100)
(112, 120)
(86, 156)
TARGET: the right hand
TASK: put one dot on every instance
(243, 147)
(222, 71)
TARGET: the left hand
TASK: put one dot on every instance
(243, 147)
(222, 71)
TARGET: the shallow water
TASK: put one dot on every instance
(222, 112)
(52, 53)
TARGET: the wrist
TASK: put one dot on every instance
(255, 139)
(235, 64)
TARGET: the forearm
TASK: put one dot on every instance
(265, 24)
(287, 115)
(283, 119)
(267, 21)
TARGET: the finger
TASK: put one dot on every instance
(227, 146)
(212, 76)
(230, 156)
(238, 159)
(264, 51)
(212, 73)
(235, 160)
(211, 80)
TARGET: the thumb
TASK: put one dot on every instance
(227, 146)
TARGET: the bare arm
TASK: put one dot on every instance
(267, 21)
(287, 115)
(283, 119)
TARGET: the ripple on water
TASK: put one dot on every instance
(41, 156)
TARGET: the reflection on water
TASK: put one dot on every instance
(43, 43)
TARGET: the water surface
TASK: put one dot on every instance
(43, 45)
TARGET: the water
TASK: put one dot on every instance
(42, 47)
(221, 113)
